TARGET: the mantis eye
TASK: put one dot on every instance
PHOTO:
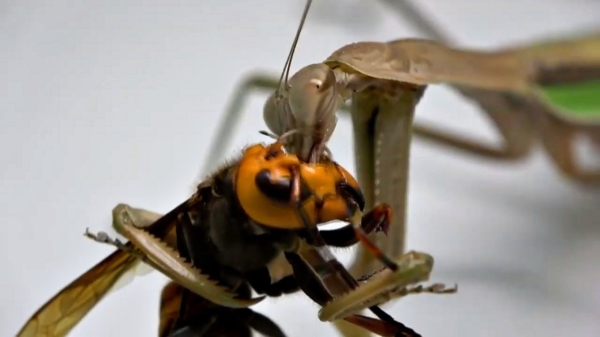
(271, 116)
(318, 83)
(313, 96)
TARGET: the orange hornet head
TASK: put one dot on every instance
(272, 186)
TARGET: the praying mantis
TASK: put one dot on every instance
(546, 91)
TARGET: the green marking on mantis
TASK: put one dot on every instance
(580, 100)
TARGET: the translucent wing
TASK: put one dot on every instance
(62, 312)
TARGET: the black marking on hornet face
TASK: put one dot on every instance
(279, 190)
(351, 193)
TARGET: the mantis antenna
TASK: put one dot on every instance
(288, 62)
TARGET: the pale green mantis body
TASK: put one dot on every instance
(547, 91)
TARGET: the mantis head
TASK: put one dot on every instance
(304, 104)
(307, 105)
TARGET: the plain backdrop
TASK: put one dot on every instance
(117, 101)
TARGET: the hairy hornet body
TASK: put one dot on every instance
(255, 240)
(252, 225)
(239, 251)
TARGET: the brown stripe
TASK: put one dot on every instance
(567, 74)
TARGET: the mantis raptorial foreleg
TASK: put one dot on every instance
(413, 267)
(162, 255)
(382, 134)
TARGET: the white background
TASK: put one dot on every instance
(116, 101)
